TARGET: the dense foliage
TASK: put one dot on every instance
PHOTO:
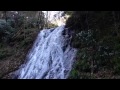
(18, 30)
(96, 36)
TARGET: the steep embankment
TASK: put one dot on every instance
(12, 55)
(96, 36)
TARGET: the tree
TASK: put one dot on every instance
(40, 20)
(5, 15)
(115, 24)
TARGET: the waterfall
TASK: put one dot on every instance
(56, 17)
(51, 56)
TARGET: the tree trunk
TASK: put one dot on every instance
(46, 23)
(115, 24)
(39, 19)
(92, 61)
(5, 15)
(87, 20)
(92, 66)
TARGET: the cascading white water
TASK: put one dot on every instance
(56, 17)
(50, 58)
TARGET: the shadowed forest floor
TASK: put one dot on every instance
(13, 55)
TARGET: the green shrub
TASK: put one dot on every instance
(11, 22)
(116, 67)
(4, 53)
(74, 74)
(6, 31)
(26, 42)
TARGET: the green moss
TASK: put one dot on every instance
(74, 74)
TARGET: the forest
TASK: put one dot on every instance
(18, 31)
(95, 34)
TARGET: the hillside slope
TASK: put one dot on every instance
(96, 35)
(12, 55)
